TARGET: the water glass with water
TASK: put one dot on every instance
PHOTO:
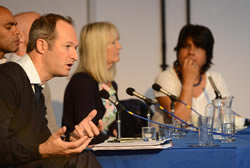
(165, 132)
(228, 126)
(204, 132)
(148, 133)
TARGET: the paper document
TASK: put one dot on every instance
(136, 144)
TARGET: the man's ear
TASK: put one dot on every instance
(41, 46)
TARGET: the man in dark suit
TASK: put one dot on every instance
(25, 139)
(24, 21)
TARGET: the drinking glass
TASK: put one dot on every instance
(204, 132)
(148, 133)
(165, 132)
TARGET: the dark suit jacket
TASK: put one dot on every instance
(23, 125)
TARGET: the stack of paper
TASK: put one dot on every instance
(133, 145)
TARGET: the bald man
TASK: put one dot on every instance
(24, 21)
(9, 40)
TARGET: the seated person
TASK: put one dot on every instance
(25, 139)
(99, 51)
(188, 78)
(24, 22)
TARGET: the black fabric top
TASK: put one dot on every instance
(81, 97)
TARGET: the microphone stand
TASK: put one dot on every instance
(176, 133)
(148, 111)
(120, 108)
(118, 124)
(172, 107)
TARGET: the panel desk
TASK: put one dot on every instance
(182, 154)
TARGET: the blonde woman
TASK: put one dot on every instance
(99, 50)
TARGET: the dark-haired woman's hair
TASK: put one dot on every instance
(202, 37)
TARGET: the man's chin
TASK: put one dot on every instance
(14, 49)
(62, 75)
(11, 50)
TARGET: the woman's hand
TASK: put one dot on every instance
(190, 71)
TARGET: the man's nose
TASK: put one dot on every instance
(74, 55)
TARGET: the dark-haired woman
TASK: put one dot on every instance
(188, 78)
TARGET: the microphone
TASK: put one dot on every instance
(216, 91)
(157, 87)
(104, 94)
(132, 92)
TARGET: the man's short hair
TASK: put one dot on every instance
(44, 28)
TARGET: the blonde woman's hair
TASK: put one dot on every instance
(94, 40)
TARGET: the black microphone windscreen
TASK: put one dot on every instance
(156, 87)
(130, 91)
(104, 94)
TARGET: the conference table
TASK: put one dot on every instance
(183, 154)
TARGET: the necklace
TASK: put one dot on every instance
(198, 83)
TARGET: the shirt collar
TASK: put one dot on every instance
(12, 57)
(26, 63)
(3, 60)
